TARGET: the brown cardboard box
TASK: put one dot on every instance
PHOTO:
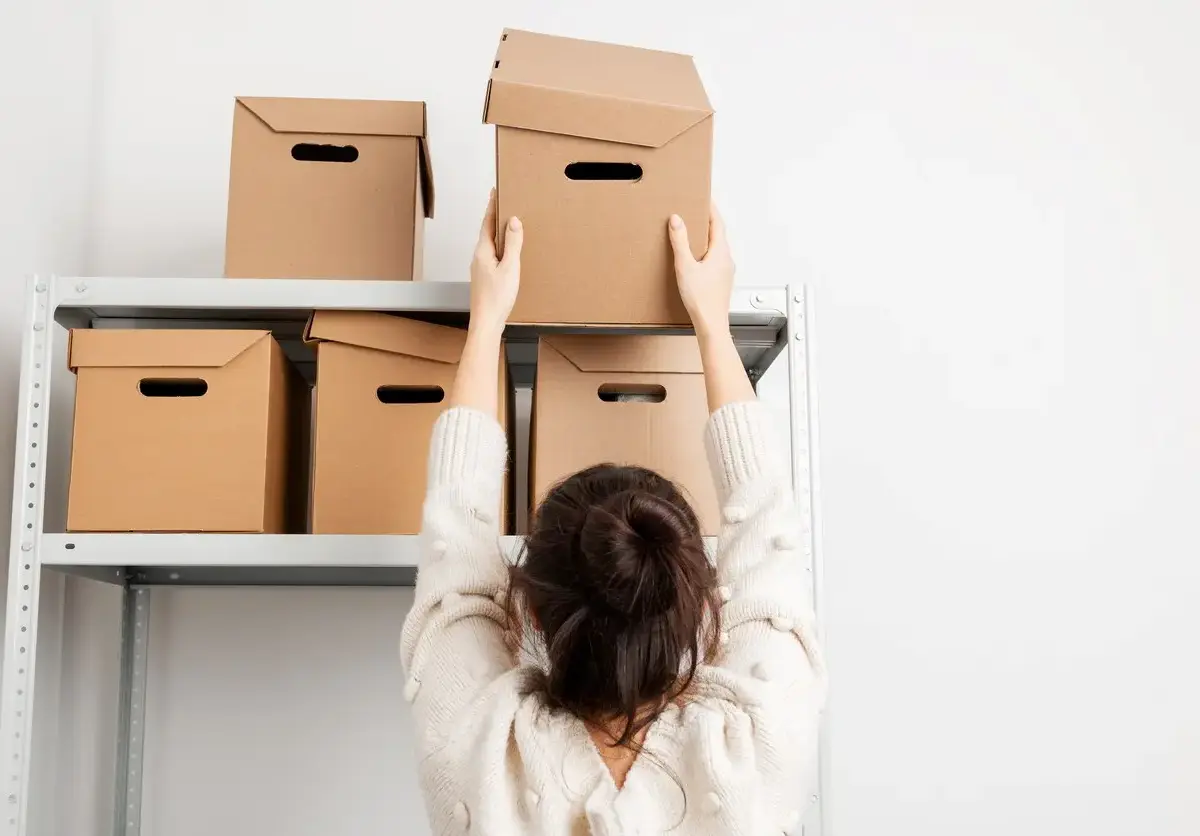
(183, 431)
(381, 384)
(625, 400)
(328, 189)
(596, 250)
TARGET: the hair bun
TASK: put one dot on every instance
(625, 542)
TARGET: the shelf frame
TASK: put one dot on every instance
(768, 323)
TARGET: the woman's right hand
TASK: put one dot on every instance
(495, 281)
(706, 285)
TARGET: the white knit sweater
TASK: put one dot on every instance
(494, 761)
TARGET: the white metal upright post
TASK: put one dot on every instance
(803, 417)
(24, 570)
(131, 719)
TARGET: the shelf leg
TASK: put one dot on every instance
(24, 569)
(131, 718)
(802, 392)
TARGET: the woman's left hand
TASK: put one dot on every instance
(494, 282)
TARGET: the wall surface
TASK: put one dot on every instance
(996, 205)
(48, 106)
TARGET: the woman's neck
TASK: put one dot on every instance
(618, 759)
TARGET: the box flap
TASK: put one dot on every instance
(354, 117)
(349, 117)
(593, 90)
(384, 332)
(145, 348)
(651, 354)
(426, 176)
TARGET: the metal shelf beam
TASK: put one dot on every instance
(244, 559)
(78, 300)
(758, 316)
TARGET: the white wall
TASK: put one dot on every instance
(47, 110)
(994, 202)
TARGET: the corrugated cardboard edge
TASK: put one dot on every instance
(342, 327)
(73, 347)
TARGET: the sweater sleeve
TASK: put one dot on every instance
(452, 645)
(768, 641)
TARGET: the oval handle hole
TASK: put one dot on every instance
(410, 394)
(161, 387)
(630, 172)
(632, 393)
(309, 152)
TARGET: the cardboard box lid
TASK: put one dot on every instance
(593, 90)
(384, 332)
(146, 348)
(349, 117)
(630, 354)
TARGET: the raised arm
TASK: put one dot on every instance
(494, 287)
(707, 287)
(452, 645)
(769, 638)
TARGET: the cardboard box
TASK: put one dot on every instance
(596, 250)
(328, 189)
(184, 431)
(382, 382)
(636, 400)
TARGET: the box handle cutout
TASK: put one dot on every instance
(309, 152)
(410, 394)
(629, 172)
(163, 387)
(632, 393)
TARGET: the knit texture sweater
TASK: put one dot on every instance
(738, 758)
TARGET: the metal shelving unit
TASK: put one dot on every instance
(771, 328)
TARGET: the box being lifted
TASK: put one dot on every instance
(185, 431)
(597, 146)
(382, 382)
(328, 189)
(636, 400)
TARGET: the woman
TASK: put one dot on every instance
(660, 693)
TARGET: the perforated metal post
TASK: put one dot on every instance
(803, 416)
(131, 719)
(24, 571)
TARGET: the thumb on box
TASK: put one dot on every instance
(514, 237)
(677, 230)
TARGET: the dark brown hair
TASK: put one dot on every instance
(616, 580)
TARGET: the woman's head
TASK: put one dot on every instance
(616, 580)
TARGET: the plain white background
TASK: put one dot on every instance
(996, 204)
